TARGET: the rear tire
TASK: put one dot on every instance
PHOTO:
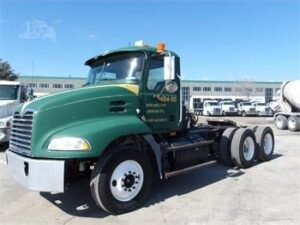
(265, 142)
(225, 146)
(281, 122)
(293, 123)
(122, 181)
(243, 148)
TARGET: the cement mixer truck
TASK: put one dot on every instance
(12, 93)
(287, 107)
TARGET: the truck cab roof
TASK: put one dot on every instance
(127, 49)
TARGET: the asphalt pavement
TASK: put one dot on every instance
(267, 193)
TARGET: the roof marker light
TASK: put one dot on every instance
(160, 47)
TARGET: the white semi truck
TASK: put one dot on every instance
(211, 108)
(12, 93)
(287, 107)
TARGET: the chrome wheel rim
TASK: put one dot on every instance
(268, 143)
(248, 148)
(126, 180)
(292, 123)
(279, 122)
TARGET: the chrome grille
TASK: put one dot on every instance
(217, 110)
(21, 130)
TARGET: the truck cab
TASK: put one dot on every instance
(211, 108)
(12, 94)
(124, 128)
(246, 109)
(262, 109)
(228, 108)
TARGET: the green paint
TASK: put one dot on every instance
(88, 113)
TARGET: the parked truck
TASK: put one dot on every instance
(262, 109)
(126, 127)
(287, 107)
(211, 108)
(246, 109)
(228, 108)
(11, 95)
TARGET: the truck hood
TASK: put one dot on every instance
(7, 107)
(78, 96)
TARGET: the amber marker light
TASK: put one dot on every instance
(160, 47)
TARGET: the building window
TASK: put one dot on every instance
(206, 88)
(196, 103)
(69, 85)
(185, 95)
(248, 89)
(238, 89)
(57, 86)
(32, 85)
(196, 88)
(44, 85)
(218, 89)
(227, 89)
(259, 89)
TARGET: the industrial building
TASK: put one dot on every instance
(193, 91)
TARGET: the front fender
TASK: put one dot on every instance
(98, 132)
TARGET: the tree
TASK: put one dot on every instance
(6, 72)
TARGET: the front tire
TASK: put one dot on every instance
(243, 148)
(122, 181)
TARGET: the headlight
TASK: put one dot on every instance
(68, 143)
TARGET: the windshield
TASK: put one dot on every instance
(125, 66)
(227, 103)
(9, 92)
(260, 104)
(213, 103)
(246, 103)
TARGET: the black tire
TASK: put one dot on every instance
(244, 114)
(101, 180)
(225, 146)
(281, 122)
(223, 113)
(293, 123)
(252, 128)
(237, 147)
(262, 135)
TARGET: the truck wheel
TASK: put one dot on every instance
(265, 142)
(122, 181)
(244, 114)
(243, 148)
(293, 123)
(223, 113)
(281, 122)
(225, 146)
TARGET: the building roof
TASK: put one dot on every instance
(6, 82)
(184, 81)
(226, 81)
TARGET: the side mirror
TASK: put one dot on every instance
(169, 67)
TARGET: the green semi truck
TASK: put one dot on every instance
(125, 127)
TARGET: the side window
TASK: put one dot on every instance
(155, 73)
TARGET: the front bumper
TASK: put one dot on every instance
(4, 134)
(36, 174)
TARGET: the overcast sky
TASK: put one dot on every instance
(216, 40)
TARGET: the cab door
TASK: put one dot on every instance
(160, 108)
